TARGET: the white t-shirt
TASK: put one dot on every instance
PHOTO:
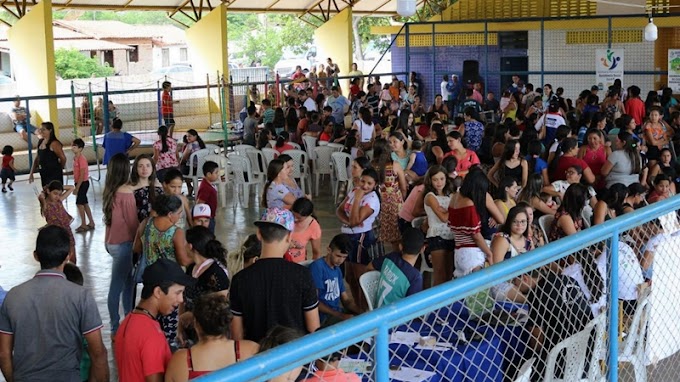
(630, 273)
(371, 200)
(575, 271)
(444, 91)
(551, 121)
(309, 104)
(365, 131)
(437, 227)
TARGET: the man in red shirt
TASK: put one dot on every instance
(635, 107)
(142, 352)
(207, 194)
(167, 108)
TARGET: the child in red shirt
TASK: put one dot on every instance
(327, 133)
(81, 178)
(207, 193)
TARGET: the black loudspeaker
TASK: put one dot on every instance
(470, 71)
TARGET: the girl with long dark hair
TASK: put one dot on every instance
(164, 153)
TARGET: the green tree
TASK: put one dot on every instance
(71, 64)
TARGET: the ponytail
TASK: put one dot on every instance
(163, 133)
(214, 250)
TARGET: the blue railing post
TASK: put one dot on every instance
(407, 48)
(105, 105)
(381, 356)
(614, 305)
(160, 104)
(30, 136)
(542, 52)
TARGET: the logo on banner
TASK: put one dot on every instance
(610, 60)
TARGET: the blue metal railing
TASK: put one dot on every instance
(377, 323)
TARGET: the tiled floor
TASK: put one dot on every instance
(20, 217)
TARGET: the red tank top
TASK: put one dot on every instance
(195, 374)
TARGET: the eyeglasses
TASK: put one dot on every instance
(570, 173)
(519, 222)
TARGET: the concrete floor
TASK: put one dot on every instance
(20, 217)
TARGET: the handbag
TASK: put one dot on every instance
(138, 269)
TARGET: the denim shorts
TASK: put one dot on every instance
(436, 243)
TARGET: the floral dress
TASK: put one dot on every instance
(556, 232)
(143, 201)
(390, 201)
(160, 245)
(56, 214)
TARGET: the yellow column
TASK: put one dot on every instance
(334, 39)
(32, 45)
(207, 40)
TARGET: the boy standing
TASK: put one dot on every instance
(117, 141)
(329, 283)
(167, 108)
(81, 177)
(207, 194)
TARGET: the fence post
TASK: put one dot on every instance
(207, 86)
(486, 59)
(614, 306)
(542, 52)
(609, 32)
(105, 106)
(434, 66)
(407, 45)
(382, 359)
(160, 103)
(30, 136)
(73, 111)
(93, 127)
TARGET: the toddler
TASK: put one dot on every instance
(548, 200)
(8, 169)
(417, 163)
(52, 207)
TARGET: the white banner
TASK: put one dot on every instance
(674, 70)
(608, 67)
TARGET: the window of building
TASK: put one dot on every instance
(134, 53)
(165, 57)
(108, 57)
(183, 54)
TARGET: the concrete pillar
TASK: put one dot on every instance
(207, 40)
(31, 42)
(334, 39)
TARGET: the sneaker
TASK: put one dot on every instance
(4, 189)
(10, 188)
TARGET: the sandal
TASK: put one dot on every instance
(90, 227)
(81, 229)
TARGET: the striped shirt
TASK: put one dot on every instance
(464, 222)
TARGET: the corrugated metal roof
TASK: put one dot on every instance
(111, 29)
(82, 45)
(375, 7)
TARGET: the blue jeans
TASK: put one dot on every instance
(121, 281)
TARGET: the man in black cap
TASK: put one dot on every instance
(399, 277)
(142, 353)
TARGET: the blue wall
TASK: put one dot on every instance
(449, 60)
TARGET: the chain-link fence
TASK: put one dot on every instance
(554, 313)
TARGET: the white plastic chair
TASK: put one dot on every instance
(632, 349)
(336, 146)
(196, 161)
(214, 149)
(68, 167)
(306, 263)
(242, 149)
(369, 154)
(269, 155)
(297, 147)
(223, 178)
(322, 164)
(272, 142)
(300, 168)
(340, 163)
(574, 349)
(586, 215)
(524, 373)
(243, 177)
(545, 222)
(369, 282)
(258, 163)
(310, 143)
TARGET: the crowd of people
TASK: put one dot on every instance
(444, 184)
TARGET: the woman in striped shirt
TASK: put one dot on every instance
(467, 210)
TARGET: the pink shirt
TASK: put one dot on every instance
(302, 234)
(79, 164)
(335, 375)
(166, 159)
(406, 211)
(123, 219)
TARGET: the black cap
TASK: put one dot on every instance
(164, 270)
(412, 241)
(594, 87)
